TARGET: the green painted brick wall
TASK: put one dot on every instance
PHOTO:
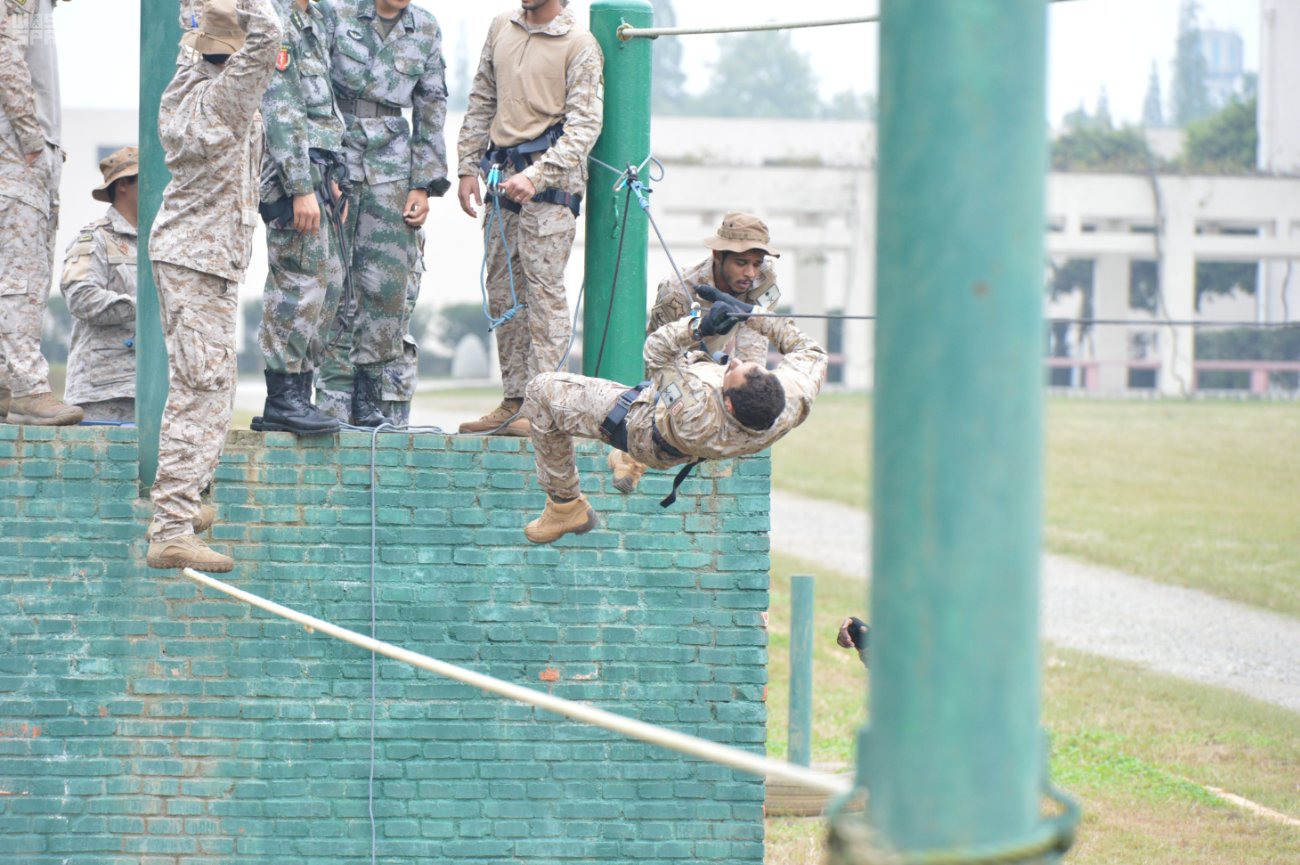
(145, 721)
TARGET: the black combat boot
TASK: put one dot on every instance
(287, 410)
(367, 394)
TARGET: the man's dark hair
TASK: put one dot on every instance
(759, 401)
(216, 59)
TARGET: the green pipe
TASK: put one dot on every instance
(159, 35)
(801, 669)
(624, 139)
(953, 756)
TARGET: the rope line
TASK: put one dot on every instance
(653, 734)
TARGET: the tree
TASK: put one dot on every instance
(850, 105)
(1102, 118)
(1191, 95)
(1153, 116)
(760, 74)
(1095, 148)
(668, 82)
(1224, 143)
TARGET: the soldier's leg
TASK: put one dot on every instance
(331, 354)
(24, 290)
(401, 375)
(198, 312)
(110, 410)
(546, 239)
(560, 406)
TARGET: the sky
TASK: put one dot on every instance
(1092, 44)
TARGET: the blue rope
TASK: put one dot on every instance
(493, 180)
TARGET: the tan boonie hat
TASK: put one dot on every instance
(114, 166)
(218, 31)
(741, 232)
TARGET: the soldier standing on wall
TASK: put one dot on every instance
(31, 165)
(385, 56)
(535, 112)
(740, 268)
(99, 285)
(690, 410)
(303, 209)
(201, 240)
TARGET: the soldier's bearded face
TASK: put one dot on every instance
(740, 270)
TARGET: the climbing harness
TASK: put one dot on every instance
(613, 429)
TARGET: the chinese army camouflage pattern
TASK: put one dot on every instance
(99, 283)
(374, 74)
(304, 280)
(211, 134)
(507, 107)
(745, 342)
(29, 194)
(683, 401)
(397, 385)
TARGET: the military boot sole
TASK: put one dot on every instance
(176, 561)
(261, 424)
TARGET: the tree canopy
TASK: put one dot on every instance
(1223, 143)
(760, 74)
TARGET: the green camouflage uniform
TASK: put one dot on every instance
(540, 236)
(683, 403)
(304, 278)
(375, 76)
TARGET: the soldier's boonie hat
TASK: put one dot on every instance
(741, 232)
(115, 166)
(218, 31)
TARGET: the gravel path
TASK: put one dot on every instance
(1181, 632)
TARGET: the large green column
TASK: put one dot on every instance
(624, 139)
(953, 756)
(159, 34)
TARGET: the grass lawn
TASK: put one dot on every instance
(1136, 748)
(1199, 494)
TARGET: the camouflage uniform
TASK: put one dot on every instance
(200, 244)
(29, 194)
(304, 280)
(745, 343)
(375, 77)
(99, 285)
(507, 107)
(683, 404)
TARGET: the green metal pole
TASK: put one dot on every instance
(953, 756)
(159, 34)
(801, 669)
(614, 316)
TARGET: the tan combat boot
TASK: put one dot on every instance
(560, 518)
(495, 421)
(207, 516)
(42, 409)
(627, 471)
(188, 551)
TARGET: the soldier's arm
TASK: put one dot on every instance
(670, 305)
(666, 347)
(284, 114)
(237, 92)
(583, 112)
(803, 363)
(17, 95)
(85, 284)
(429, 116)
(472, 142)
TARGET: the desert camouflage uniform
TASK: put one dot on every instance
(29, 194)
(99, 285)
(683, 402)
(540, 236)
(304, 279)
(386, 160)
(201, 241)
(745, 342)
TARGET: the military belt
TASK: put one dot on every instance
(521, 155)
(367, 108)
(571, 200)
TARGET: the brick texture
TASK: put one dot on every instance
(146, 721)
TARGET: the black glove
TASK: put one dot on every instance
(720, 319)
(714, 296)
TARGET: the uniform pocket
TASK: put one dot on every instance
(351, 60)
(544, 219)
(203, 360)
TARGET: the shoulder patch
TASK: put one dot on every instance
(671, 396)
(283, 58)
(769, 297)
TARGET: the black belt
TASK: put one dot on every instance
(662, 444)
(571, 200)
(613, 429)
(368, 108)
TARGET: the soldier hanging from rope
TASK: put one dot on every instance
(691, 409)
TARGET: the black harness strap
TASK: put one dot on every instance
(571, 200)
(613, 429)
(677, 482)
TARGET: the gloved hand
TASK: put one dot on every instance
(714, 296)
(721, 318)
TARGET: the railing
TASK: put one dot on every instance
(1259, 370)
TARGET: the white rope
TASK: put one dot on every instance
(655, 735)
(627, 32)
